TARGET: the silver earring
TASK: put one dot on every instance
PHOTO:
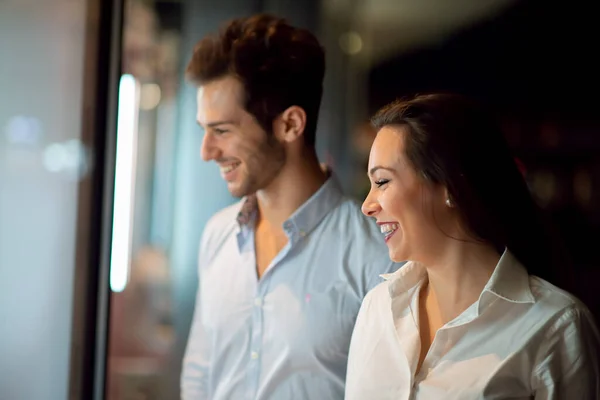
(449, 203)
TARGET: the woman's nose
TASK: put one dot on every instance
(370, 207)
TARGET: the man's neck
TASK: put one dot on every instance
(294, 185)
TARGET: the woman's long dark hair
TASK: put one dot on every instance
(456, 142)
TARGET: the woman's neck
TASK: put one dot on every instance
(457, 278)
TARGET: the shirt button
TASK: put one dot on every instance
(254, 355)
(257, 302)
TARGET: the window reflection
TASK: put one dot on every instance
(42, 160)
(141, 334)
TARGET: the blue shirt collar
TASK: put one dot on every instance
(307, 216)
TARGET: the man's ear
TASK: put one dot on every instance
(290, 124)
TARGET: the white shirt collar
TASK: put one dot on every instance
(509, 281)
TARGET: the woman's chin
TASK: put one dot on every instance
(397, 256)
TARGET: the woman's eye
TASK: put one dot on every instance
(381, 182)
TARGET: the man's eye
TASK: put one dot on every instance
(220, 131)
(381, 182)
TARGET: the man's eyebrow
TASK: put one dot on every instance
(378, 167)
(217, 123)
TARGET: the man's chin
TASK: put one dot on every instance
(236, 190)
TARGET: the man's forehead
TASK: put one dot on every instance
(221, 91)
(217, 102)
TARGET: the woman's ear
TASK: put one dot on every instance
(448, 199)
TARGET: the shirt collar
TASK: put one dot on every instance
(509, 281)
(307, 216)
(404, 278)
(247, 210)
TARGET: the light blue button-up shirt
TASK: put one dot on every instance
(285, 335)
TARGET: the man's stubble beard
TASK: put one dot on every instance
(269, 159)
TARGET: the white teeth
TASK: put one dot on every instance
(229, 168)
(387, 228)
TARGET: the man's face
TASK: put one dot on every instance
(248, 157)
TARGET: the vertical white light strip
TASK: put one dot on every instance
(125, 168)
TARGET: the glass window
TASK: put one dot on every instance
(42, 161)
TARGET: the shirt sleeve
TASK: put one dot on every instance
(196, 361)
(568, 367)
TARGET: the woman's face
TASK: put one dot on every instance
(410, 211)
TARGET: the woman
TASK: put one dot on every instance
(468, 316)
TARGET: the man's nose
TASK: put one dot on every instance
(208, 150)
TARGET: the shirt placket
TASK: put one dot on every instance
(434, 355)
(258, 321)
(256, 338)
(442, 342)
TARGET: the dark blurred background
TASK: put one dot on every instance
(534, 61)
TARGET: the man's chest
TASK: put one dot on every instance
(268, 243)
(301, 305)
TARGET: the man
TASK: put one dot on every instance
(283, 272)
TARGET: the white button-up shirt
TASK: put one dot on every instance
(523, 339)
